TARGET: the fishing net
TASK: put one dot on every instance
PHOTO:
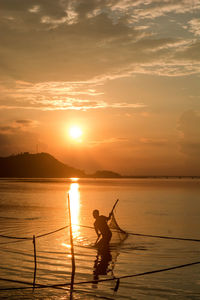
(118, 234)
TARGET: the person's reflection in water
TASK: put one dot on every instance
(101, 264)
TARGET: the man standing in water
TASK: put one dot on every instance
(101, 228)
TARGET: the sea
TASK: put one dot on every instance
(40, 266)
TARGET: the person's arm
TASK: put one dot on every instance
(96, 229)
(109, 217)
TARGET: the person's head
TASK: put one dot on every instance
(95, 213)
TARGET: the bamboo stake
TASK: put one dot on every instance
(35, 262)
(72, 249)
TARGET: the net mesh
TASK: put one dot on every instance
(118, 234)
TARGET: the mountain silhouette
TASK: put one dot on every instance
(26, 165)
(106, 174)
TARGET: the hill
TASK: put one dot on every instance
(26, 165)
(106, 174)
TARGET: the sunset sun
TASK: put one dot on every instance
(75, 132)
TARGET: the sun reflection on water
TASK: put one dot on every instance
(74, 196)
(74, 179)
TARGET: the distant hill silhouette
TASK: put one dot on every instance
(26, 165)
(106, 174)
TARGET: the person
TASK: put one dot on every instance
(101, 228)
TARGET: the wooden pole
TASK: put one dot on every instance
(35, 262)
(72, 249)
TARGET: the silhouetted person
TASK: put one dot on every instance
(101, 228)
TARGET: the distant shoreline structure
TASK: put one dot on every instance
(44, 165)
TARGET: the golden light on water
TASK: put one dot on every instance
(74, 196)
(66, 245)
(74, 179)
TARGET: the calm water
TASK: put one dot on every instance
(151, 206)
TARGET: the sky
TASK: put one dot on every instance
(126, 72)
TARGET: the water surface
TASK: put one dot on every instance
(168, 207)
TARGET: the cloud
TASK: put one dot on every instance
(171, 68)
(18, 136)
(5, 129)
(34, 9)
(58, 96)
(18, 126)
(89, 47)
(191, 53)
(151, 9)
(79, 52)
(194, 26)
(107, 142)
(70, 104)
(155, 142)
(24, 122)
(56, 55)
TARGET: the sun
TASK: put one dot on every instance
(75, 132)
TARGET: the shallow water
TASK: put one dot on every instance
(168, 207)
